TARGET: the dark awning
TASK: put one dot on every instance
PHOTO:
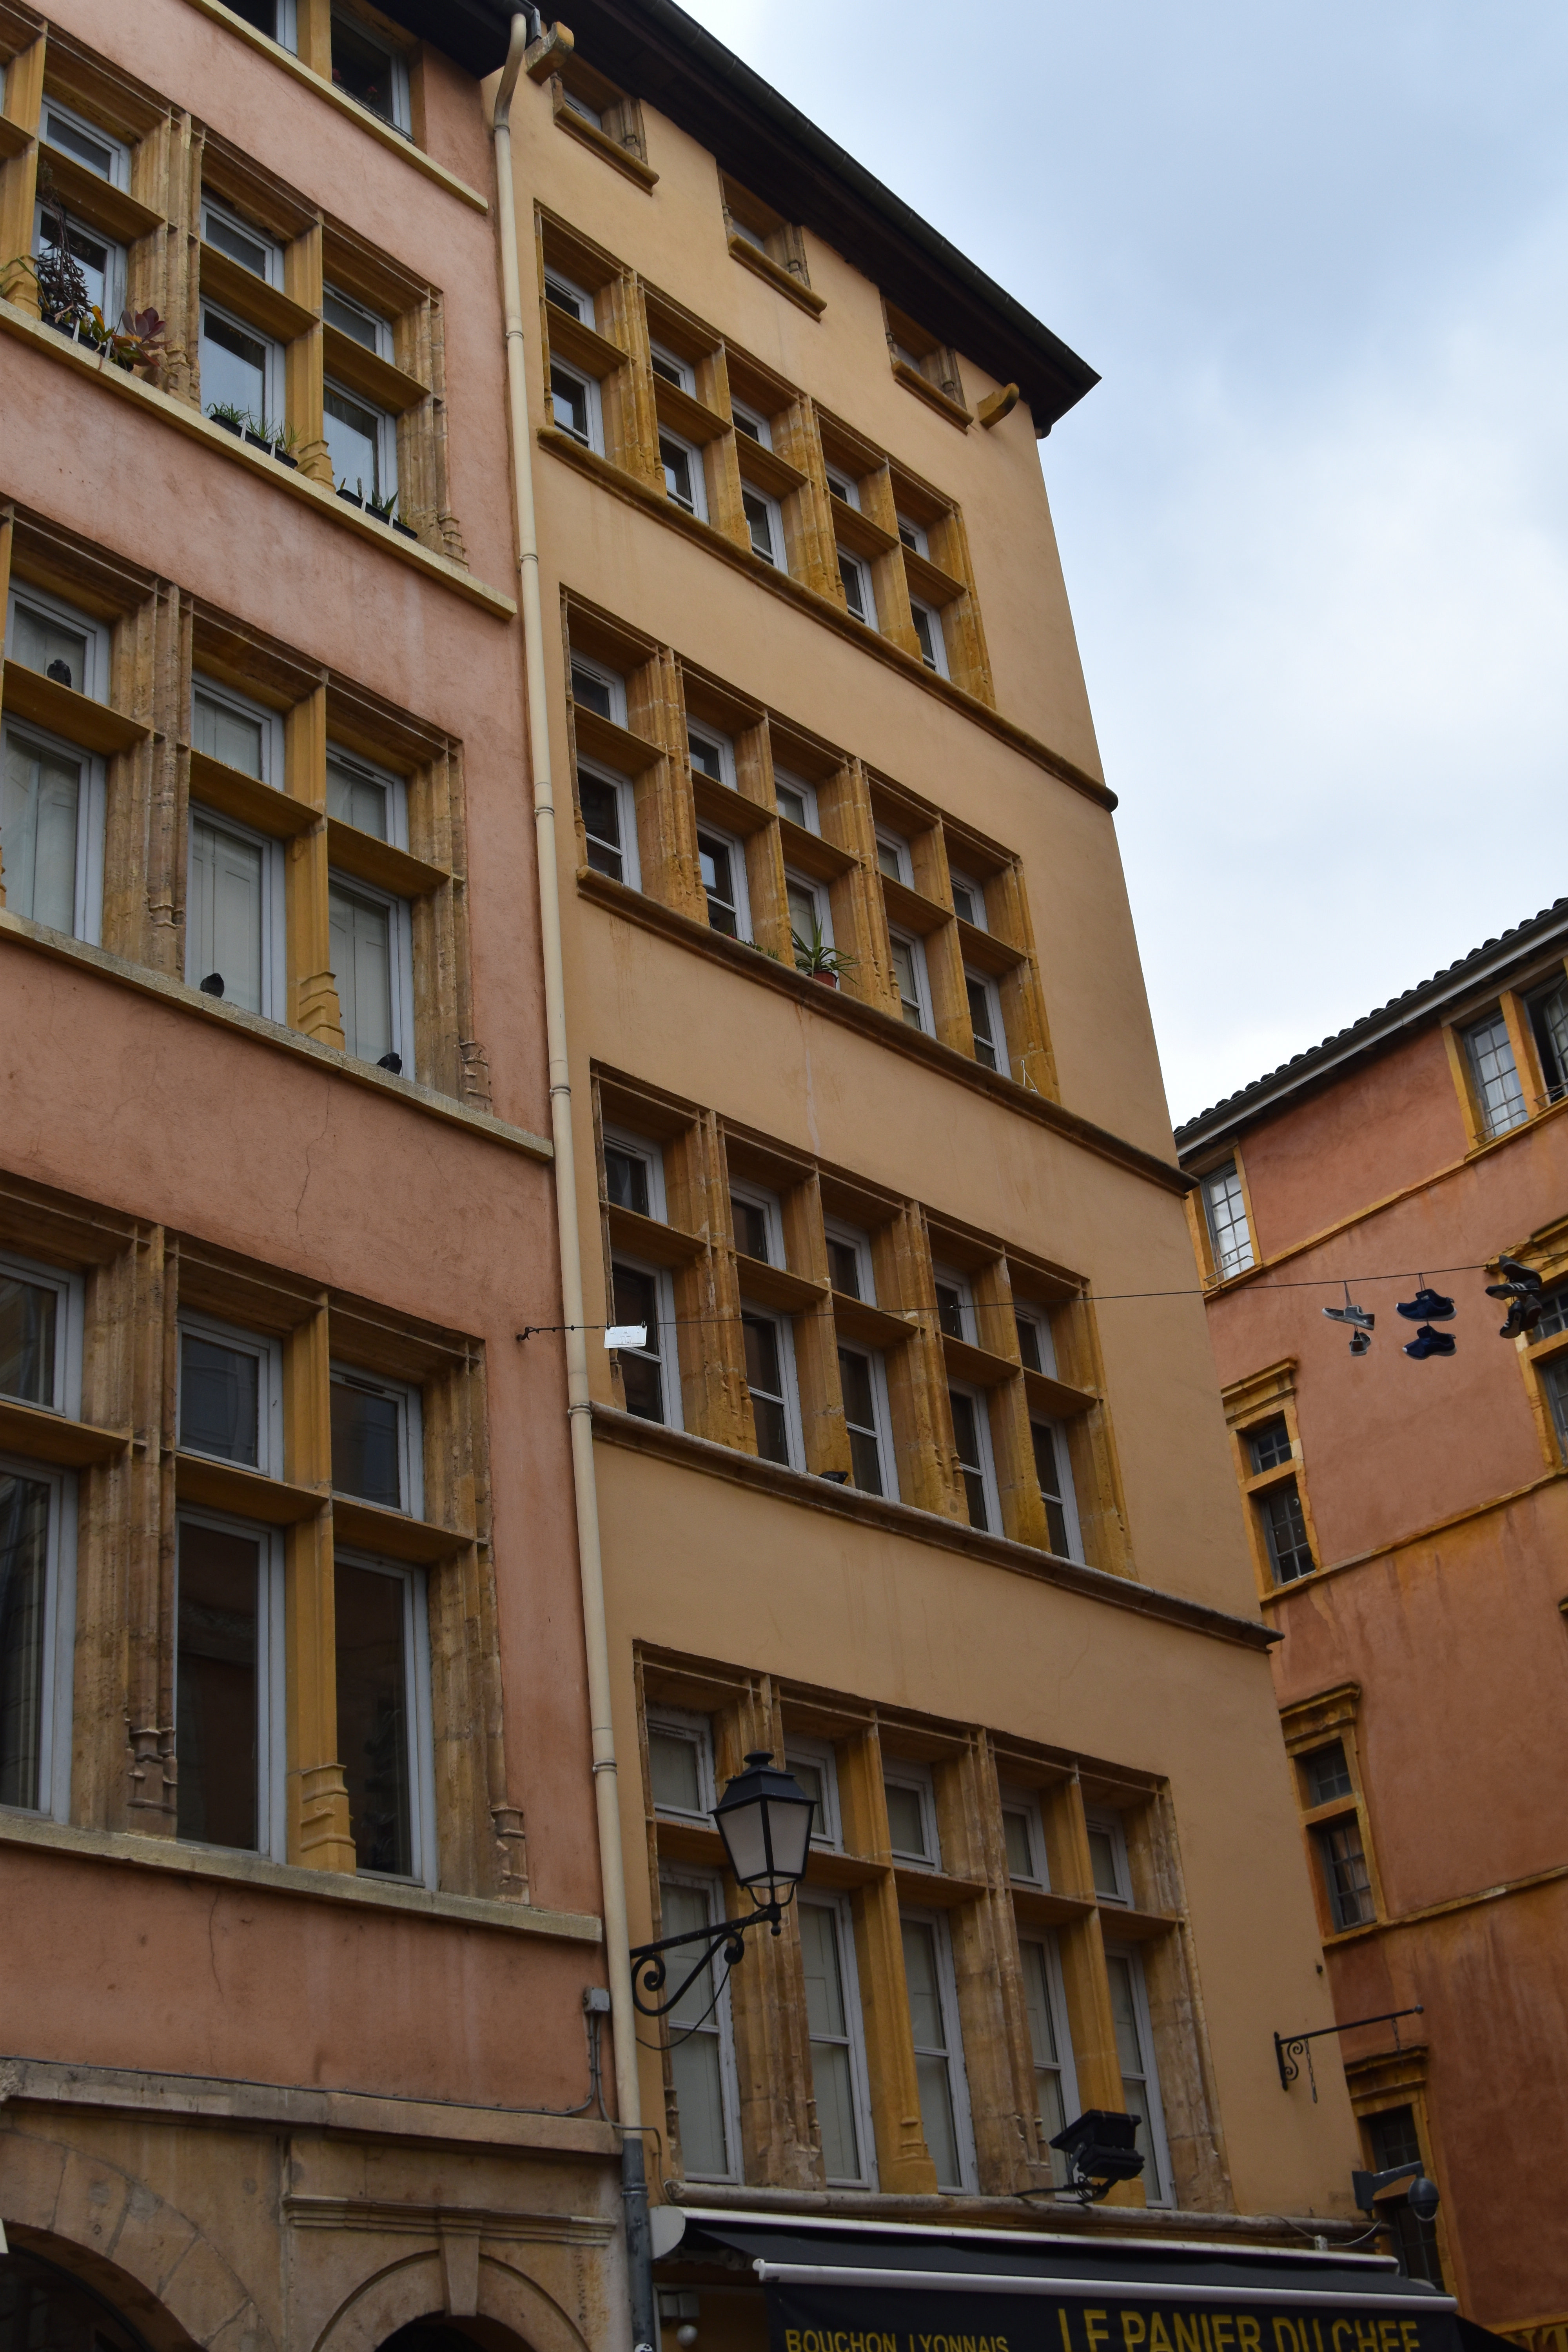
(845, 2287)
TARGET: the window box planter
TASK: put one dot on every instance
(257, 440)
(284, 458)
(352, 497)
(228, 424)
(407, 528)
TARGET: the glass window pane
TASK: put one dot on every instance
(674, 1771)
(751, 1223)
(1328, 1774)
(601, 806)
(1285, 1525)
(41, 642)
(855, 1372)
(936, 2116)
(1020, 1849)
(1501, 1096)
(373, 1717)
(250, 252)
(980, 1021)
(677, 464)
(364, 69)
(73, 140)
(844, 1264)
(360, 933)
(906, 1821)
(1124, 2016)
(91, 254)
(696, 2060)
(216, 1716)
(353, 443)
(718, 882)
(234, 369)
(569, 400)
(1037, 2000)
(349, 318)
(367, 1454)
(591, 690)
(355, 798)
(225, 733)
(625, 1180)
(24, 1595)
(637, 1301)
(219, 1399)
(1102, 1861)
(810, 1778)
(223, 916)
(28, 1313)
(1228, 1221)
(907, 983)
(824, 1982)
(832, 2085)
(39, 820)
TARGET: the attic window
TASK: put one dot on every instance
(925, 366)
(768, 243)
(588, 105)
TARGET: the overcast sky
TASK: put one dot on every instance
(1315, 518)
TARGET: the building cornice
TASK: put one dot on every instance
(881, 1028)
(614, 1427)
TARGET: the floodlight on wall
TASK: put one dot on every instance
(1101, 2148)
(1423, 2199)
(765, 1818)
(1521, 1286)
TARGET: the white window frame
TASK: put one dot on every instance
(861, 570)
(400, 960)
(699, 506)
(1211, 1177)
(916, 945)
(579, 105)
(588, 315)
(91, 815)
(1047, 1943)
(424, 1853)
(958, 880)
(737, 849)
(626, 809)
(269, 1391)
(1493, 1028)
(843, 487)
(684, 377)
(386, 436)
(394, 786)
(611, 681)
(821, 1754)
(784, 1325)
(712, 1887)
(716, 740)
(807, 795)
(274, 396)
(1037, 1318)
(887, 839)
(756, 1196)
(1068, 1498)
(957, 2066)
(119, 176)
(99, 636)
(664, 1303)
(987, 1465)
(1159, 2192)
(402, 116)
(881, 1407)
(272, 740)
(952, 1277)
(271, 1679)
(912, 534)
(821, 901)
(410, 1434)
(71, 1293)
(589, 384)
(990, 995)
(761, 430)
(651, 1154)
(931, 615)
(898, 1773)
(380, 329)
(114, 267)
(274, 918)
(1111, 1824)
(682, 1723)
(778, 555)
(851, 1237)
(58, 1638)
(222, 212)
(838, 1909)
(287, 35)
(1027, 1801)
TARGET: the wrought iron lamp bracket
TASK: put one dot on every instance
(650, 1974)
(1288, 2048)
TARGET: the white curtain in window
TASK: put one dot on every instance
(361, 959)
(39, 819)
(696, 2058)
(226, 734)
(224, 916)
(832, 2082)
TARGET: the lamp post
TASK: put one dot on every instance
(765, 1818)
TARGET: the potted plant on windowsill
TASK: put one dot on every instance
(233, 420)
(818, 960)
(354, 496)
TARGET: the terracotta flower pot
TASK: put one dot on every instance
(827, 979)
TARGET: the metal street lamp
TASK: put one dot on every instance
(765, 1818)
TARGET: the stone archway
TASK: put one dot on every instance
(513, 2313)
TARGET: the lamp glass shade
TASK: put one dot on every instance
(765, 1818)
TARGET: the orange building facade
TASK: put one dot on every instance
(1409, 1525)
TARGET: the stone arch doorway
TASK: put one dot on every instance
(439, 2332)
(406, 2307)
(42, 2304)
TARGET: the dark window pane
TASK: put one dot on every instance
(980, 1023)
(642, 1378)
(592, 692)
(1285, 1527)
(601, 809)
(373, 1717)
(1328, 1774)
(1271, 1445)
(772, 1430)
(1393, 2138)
(41, 2307)
(363, 69)
(262, 14)
(949, 1309)
(28, 1341)
(219, 1399)
(762, 1355)
(215, 1705)
(1028, 1343)
(644, 1385)
(868, 1461)
(751, 1223)
(717, 881)
(569, 399)
(844, 1265)
(966, 1436)
(24, 1571)
(1345, 1873)
(365, 1450)
(625, 1181)
(855, 1375)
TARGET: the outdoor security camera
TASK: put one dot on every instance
(1423, 2199)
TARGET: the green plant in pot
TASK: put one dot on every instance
(818, 960)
